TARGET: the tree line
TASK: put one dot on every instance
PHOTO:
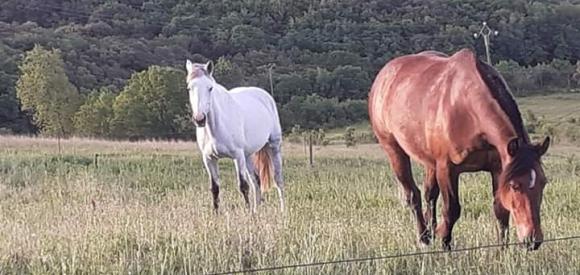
(114, 68)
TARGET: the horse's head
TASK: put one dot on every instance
(521, 187)
(200, 84)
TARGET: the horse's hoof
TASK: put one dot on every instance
(425, 238)
(446, 246)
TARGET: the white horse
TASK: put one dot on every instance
(241, 124)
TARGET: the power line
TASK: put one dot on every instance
(385, 257)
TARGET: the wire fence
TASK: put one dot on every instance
(386, 257)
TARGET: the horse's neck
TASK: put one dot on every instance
(499, 135)
(223, 110)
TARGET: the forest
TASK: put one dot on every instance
(115, 68)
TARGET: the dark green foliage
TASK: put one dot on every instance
(93, 119)
(44, 89)
(229, 75)
(328, 48)
(313, 111)
(153, 104)
(555, 75)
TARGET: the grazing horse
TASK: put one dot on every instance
(455, 114)
(241, 124)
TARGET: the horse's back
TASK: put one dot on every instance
(417, 82)
(258, 109)
(255, 100)
(415, 97)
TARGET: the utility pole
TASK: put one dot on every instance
(270, 68)
(486, 32)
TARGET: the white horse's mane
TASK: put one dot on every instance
(198, 71)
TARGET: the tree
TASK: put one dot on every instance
(246, 37)
(152, 104)
(94, 117)
(227, 73)
(44, 88)
(11, 119)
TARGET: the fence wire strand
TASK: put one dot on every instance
(386, 257)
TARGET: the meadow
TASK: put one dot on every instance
(145, 208)
(556, 114)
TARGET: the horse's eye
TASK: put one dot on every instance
(210, 89)
(515, 185)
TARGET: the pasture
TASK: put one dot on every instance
(145, 208)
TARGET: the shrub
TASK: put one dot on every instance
(349, 139)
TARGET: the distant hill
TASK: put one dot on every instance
(329, 48)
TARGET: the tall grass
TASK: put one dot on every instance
(146, 208)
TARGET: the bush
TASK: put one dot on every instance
(153, 104)
(366, 137)
(531, 122)
(555, 75)
(313, 112)
(349, 139)
(93, 119)
(319, 137)
(295, 135)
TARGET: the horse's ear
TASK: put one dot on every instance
(209, 67)
(189, 66)
(543, 148)
(514, 146)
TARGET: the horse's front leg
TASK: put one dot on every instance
(448, 185)
(244, 174)
(213, 172)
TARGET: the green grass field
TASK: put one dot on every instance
(555, 107)
(145, 208)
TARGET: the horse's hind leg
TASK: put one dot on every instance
(243, 183)
(254, 173)
(276, 157)
(401, 166)
(431, 190)
(245, 175)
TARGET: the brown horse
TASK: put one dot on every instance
(453, 115)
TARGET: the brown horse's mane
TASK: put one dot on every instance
(525, 157)
(501, 93)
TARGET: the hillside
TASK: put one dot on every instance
(323, 55)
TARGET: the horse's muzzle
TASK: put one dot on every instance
(199, 121)
(532, 244)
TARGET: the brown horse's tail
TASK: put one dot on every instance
(263, 165)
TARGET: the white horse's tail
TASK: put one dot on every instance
(263, 165)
